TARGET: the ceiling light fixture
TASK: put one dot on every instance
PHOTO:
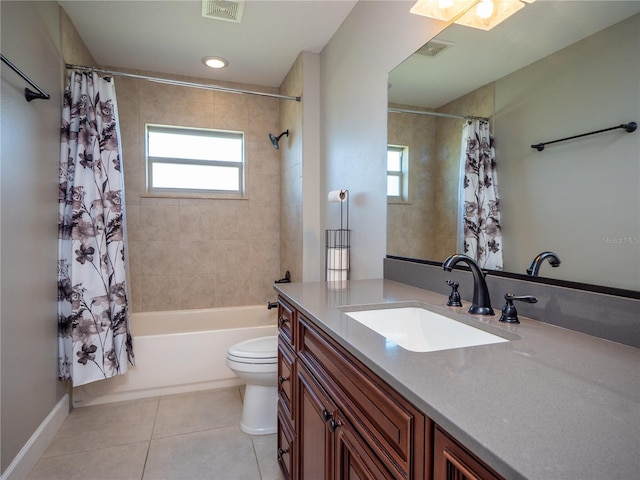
(484, 9)
(215, 62)
(486, 15)
(445, 10)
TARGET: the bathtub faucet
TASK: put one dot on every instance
(271, 305)
(286, 279)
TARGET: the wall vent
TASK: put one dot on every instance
(223, 10)
(433, 48)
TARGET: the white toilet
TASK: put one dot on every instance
(256, 362)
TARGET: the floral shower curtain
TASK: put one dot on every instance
(93, 317)
(481, 215)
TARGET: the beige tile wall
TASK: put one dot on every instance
(426, 226)
(291, 248)
(197, 253)
(410, 230)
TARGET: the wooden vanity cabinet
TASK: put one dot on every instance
(392, 428)
(338, 420)
(454, 462)
(287, 389)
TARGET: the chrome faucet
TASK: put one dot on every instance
(481, 304)
(534, 269)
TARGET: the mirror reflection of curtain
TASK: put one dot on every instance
(481, 233)
(93, 314)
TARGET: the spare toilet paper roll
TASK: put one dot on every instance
(338, 195)
(338, 258)
(336, 275)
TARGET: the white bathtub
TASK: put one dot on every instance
(180, 351)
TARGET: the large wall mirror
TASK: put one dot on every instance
(555, 69)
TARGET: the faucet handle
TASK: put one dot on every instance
(509, 312)
(454, 296)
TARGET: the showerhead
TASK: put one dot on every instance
(275, 140)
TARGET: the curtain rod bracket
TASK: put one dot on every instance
(31, 95)
(628, 127)
(28, 93)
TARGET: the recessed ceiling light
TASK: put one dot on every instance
(215, 62)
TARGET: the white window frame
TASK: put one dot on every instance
(402, 174)
(194, 192)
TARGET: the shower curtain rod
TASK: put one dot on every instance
(183, 84)
(437, 114)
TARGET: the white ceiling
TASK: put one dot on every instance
(172, 37)
(478, 57)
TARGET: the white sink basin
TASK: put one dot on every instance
(420, 330)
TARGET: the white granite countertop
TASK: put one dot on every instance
(550, 404)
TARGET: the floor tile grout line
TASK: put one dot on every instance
(255, 454)
(102, 447)
(155, 419)
(153, 427)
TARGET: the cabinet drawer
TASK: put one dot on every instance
(286, 378)
(286, 319)
(286, 446)
(385, 420)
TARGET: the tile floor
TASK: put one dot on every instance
(194, 436)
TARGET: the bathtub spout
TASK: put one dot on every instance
(286, 279)
(271, 305)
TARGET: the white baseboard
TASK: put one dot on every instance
(31, 452)
(84, 400)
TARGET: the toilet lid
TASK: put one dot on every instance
(256, 348)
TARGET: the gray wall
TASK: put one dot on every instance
(579, 198)
(372, 40)
(30, 152)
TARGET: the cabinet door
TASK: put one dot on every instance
(453, 462)
(354, 459)
(317, 417)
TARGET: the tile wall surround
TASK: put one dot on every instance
(425, 226)
(291, 248)
(409, 222)
(198, 253)
(601, 315)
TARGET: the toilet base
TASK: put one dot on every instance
(259, 410)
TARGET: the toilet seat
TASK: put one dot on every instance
(261, 350)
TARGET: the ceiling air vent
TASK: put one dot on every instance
(223, 10)
(433, 48)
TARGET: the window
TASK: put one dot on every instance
(194, 161)
(397, 184)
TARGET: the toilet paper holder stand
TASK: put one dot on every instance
(338, 244)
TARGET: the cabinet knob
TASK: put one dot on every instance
(281, 452)
(326, 415)
(333, 424)
(282, 379)
(282, 320)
